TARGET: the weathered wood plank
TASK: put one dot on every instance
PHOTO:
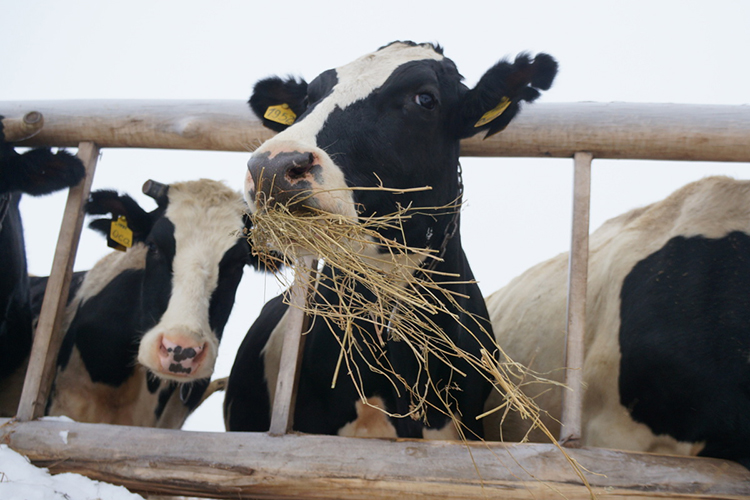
(578, 263)
(607, 130)
(48, 336)
(256, 465)
(282, 414)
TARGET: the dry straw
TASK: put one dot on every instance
(397, 293)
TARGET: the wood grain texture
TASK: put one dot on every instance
(607, 130)
(256, 465)
(48, 335)
(578, 263)
(282, 414)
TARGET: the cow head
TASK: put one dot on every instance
(193, 260)
(392, 118)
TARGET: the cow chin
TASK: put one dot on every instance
(181, 354)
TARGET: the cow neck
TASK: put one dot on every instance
(450, 229)
(449, 233)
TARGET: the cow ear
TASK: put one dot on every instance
(279, 102)
(38, 171)
(109, 203)
(496, 99)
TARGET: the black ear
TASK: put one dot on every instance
(38, 171)
(108, 202)
(279, 102)
(493, 103)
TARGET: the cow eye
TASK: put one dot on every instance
(427, 101)
(153, 249)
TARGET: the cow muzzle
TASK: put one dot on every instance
(182, 357)
(289, 179)
(177, 354)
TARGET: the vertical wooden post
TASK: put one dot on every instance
(282, 414)
(570, 433)
(47, 339)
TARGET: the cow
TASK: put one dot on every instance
(393, 118)
(35, 172)
(142, 327)
(667, 342)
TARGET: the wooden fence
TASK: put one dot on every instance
(281, 465)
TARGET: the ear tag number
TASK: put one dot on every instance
(494, 112)
(280, 114)
(120, 234)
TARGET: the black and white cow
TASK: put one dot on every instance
(393, 118)
(667, 344)
(35, 172)
(143, 326)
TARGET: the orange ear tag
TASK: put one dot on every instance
(494, 112)
(280, 114)
(121, 234)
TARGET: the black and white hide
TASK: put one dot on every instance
(667, 343)
(392, 118)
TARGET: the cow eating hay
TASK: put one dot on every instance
(401, 314)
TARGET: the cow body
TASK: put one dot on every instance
(35, 172)
(392, 118)
(667, 343)
(143, 326)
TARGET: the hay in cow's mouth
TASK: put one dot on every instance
(398, 301)
(390, 292)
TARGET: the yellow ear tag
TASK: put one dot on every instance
(494, 112)
(280, 114)
(120, 233)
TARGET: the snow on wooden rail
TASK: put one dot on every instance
(607, 130)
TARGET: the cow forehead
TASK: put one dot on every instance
(205, 213)
(356, 81)
(359, 78)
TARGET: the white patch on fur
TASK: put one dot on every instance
(371, 421)
(207, 217)
(448, 432)
(76, 396)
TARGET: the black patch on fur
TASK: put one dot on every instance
(685, 343)
(38, 171)
(164, 397)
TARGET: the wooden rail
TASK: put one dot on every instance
(612, 130)
(256, 465)
(262, 466)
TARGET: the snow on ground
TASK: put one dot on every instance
(19, 480)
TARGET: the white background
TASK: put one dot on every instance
(517, 210)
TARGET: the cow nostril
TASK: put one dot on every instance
(300, 166)
(298, 171)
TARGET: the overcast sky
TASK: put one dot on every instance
(517, 210)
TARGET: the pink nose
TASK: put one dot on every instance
(180, 359)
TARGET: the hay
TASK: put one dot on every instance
(397, 294)
(391, 292)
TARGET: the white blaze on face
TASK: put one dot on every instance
(356, 81)
(207, 217)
